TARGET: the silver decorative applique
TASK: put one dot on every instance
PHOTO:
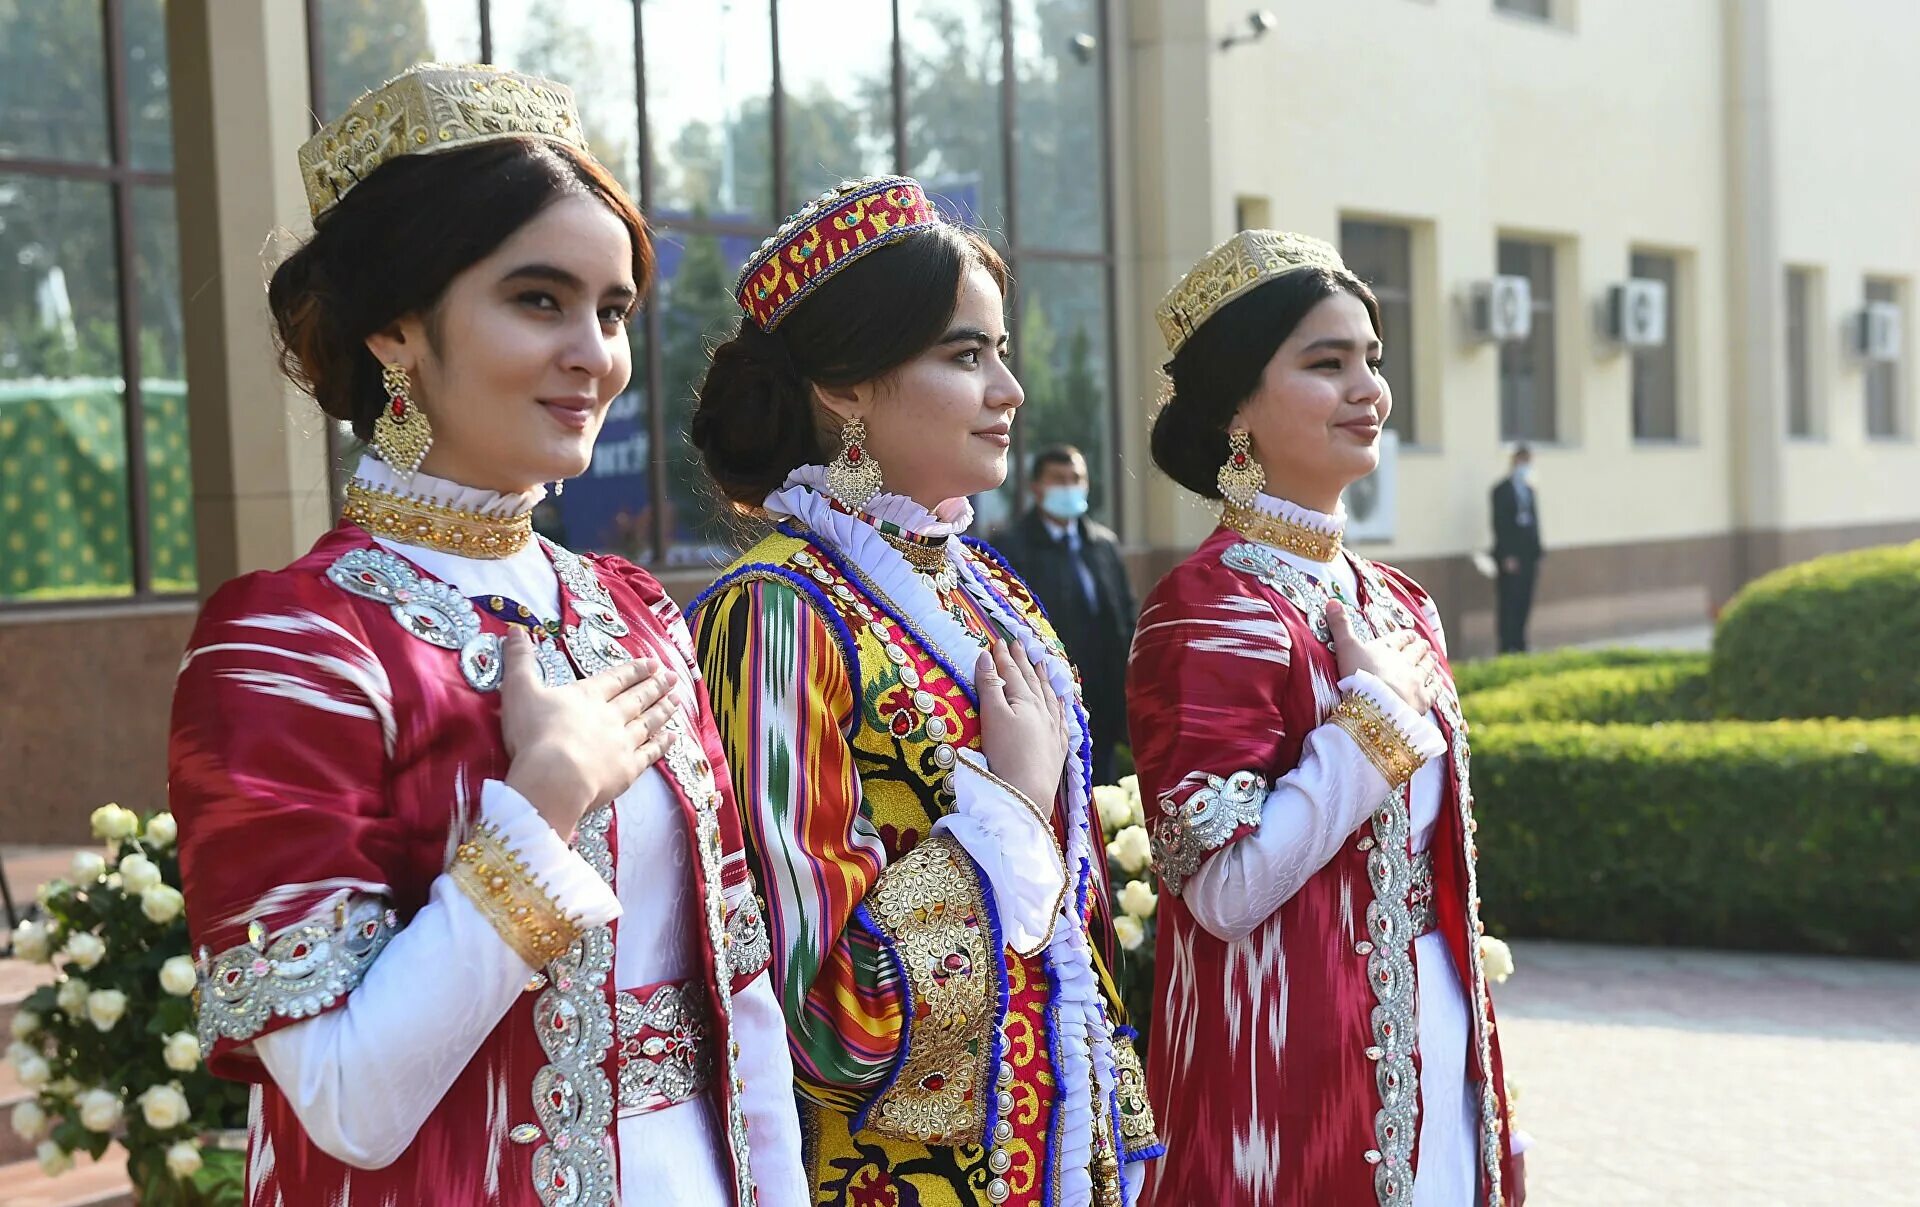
(749, 945)
(665, 1053)
(1393, 1022)
(433, 611)
(1187, 833)
(555, 670)
(302, 971)
(687, 764)
(1299, 589)
(572, 1097)
(594, 642)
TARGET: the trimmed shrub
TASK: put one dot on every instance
(1792, 835)
(1489, 673)
(1674, 689)
(1833, 637)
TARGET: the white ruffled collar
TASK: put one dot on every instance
(374, 472)
(949, 519)
(1305, 517)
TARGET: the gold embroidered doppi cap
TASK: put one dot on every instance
(1248, 259)
(433, 107)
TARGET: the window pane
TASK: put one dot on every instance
(709, 95)
(1799, 358)
(609, 509)
(695, 296)
(1527, 368)
(1883, 376)
(587, 45)
(1060, 144)
(1381, 254)
(149, 100)
(53, 81)
(1064, 362)
(365, 43)
(1542, 9)
(163, 391)
(63, 448)
(1656, 411)
(952, 50)
(839, 107)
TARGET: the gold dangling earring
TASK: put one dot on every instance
(1241, 477)
(401, 434)
(853, 477)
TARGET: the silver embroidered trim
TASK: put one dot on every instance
(433, 611)
(594, 642)
(672, 1064)
(572, 1098)
(1420, 894)
(687, 763)
(301, 972)
(749, 944)
(1186, 833)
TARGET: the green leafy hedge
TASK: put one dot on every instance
(1833, 637)
(1673, 688)
(1490, 673)
(1791, 835)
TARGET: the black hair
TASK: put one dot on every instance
(1053, 454)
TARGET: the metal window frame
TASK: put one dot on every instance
(121, 178)
(652, 369)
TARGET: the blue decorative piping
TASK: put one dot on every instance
(824, 606)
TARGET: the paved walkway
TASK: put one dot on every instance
(1711, 1078)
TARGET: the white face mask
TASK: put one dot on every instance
(1064, 503)
(1523, 474)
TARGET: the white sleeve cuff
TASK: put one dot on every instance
(1015, 847)
(575, 887)
(1518, 1141)
(1419, 732)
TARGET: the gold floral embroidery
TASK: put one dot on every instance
(497, 880)
(1137, 1130)
(930, 906)
(1374, 732)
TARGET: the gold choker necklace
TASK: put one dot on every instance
(1282, 533)
(927, 559)
(435, 525)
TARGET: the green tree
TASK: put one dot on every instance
(697, 311)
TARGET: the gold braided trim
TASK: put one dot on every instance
(1137, 1130)
(930, 907)
(927, 559)
(497, 881)
(435, 525)
(1281, 533)
(1378, 738)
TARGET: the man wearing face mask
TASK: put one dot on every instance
(1073, 566)
(1516, 548)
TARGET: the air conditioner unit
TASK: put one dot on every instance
(1503, 309)
(1877, 331)
(1372, 503)
(1637, 313)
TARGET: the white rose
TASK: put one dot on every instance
(114, 823)
(105, 1007)
(1497, 958)
(63, 1089)
(1138, 899)
(138, 873)
(18, 1051)
(1131, 848)
(53, 1159)
(72, 997)
(1111, 803)
(84, 949)
(25, 1023)
(162, 830)
(100, 1110)
(31, 1070)
(29, 1121)
(164, 1107)
(183, 1052)
(88, 866)
(162, 904)
(30, 941)
(1130, 784)
(177, 976)
(1128, 930)
(183, 1159)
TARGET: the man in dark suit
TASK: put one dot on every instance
(1073, 566)
(1516, 548)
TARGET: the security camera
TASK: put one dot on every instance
(1259, 22)
(1083, 47)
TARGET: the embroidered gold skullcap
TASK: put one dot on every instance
(433, 107)
(1248, 259)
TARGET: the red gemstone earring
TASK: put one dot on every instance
(1242, 477)
(853, 477)
(401, 434)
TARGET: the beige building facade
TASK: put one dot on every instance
(1747, 155)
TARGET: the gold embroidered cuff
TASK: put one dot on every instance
(930, 907)
(1137, 1130)
(497, 881)
(1378, 738)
